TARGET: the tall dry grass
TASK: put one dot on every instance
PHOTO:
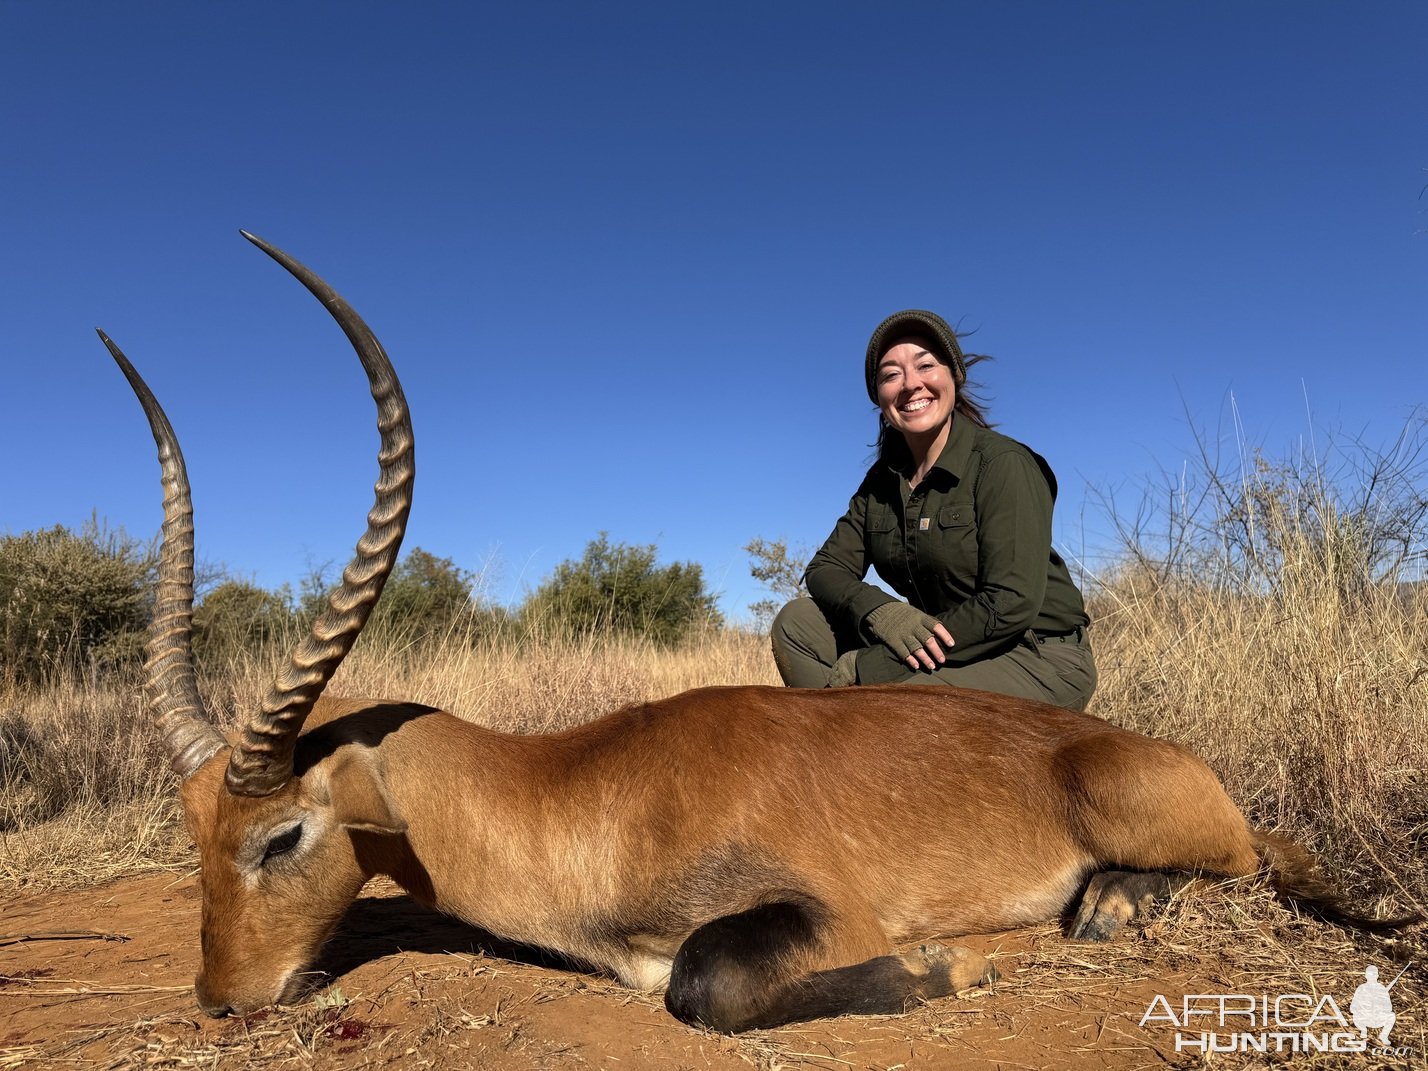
(84, 794)
(1273, 615)
(1312, 708)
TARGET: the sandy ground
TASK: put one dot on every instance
(103, 978)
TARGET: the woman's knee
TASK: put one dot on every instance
(801, 625)
(803, 644)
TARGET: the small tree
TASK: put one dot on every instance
(780, 571)
(70, 598)
(425, 596)
(1338, 512)
(238, 618)
(618, 588)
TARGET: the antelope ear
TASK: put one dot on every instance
(358, 794)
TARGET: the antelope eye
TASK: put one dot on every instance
(283, 842)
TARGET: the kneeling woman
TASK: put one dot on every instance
(957, 519)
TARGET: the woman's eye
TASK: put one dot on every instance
(283, 842)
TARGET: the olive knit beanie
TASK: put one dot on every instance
(925, 325)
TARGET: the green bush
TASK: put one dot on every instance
(71, 600)
(619, 588)
(238, 618)
(426, 597)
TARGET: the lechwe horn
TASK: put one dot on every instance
(189, 737)
(262, 761)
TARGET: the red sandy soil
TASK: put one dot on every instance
(103, 978)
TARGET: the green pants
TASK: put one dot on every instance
(1059, 670)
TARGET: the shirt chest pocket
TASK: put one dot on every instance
(955, 515)
(883, 535)
(880, 519)
(951, 550)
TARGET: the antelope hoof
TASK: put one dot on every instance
(1114, 897)
(945, 971)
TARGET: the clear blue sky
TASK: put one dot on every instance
(626, 257)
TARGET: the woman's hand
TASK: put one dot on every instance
(915, 637)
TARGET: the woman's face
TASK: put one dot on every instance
(915, 390)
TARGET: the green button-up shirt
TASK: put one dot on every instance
(971, 545)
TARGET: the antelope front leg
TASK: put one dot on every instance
(750, 970)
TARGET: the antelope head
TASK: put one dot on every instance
(276, 843)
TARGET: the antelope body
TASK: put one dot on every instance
(755, 851)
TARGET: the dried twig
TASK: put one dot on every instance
(61, 935)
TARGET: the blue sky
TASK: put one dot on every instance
(626, 257)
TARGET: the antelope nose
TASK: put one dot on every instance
(215, 1008)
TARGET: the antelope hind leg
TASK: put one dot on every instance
(749, 971)
(1114, 897)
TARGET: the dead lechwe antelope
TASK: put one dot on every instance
(755, 851)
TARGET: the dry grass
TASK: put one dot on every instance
(85, 793)
(1273, 615)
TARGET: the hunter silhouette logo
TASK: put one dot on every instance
(1287, 1022)
(1372, 1007)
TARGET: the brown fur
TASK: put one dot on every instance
(888, 813)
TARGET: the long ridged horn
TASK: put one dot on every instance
(189, 737)
(262, 762)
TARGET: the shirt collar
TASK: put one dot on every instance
(956, 452)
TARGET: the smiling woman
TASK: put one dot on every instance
(957, 519)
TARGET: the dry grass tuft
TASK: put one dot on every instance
(85, 793)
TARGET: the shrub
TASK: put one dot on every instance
(618, 588)
(426, 597)
(71, 599)
(1342, 514)
(237, 618)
